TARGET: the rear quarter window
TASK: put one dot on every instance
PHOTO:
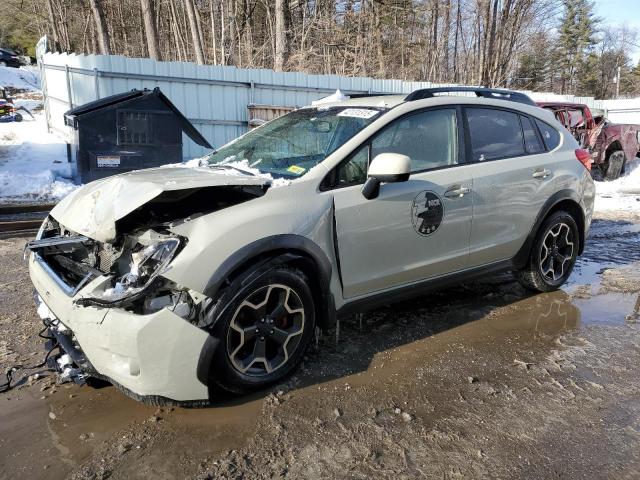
(532, 143)
(550, 135)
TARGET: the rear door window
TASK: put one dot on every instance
(550, 135)
(494, 134)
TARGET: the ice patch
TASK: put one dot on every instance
(622, 194)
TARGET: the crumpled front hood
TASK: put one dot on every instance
(93, 209)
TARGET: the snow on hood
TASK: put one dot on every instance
(93, 209)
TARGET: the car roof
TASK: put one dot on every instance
(391, 101)
(442, 94)
(386, 101)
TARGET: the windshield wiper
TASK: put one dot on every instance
(231, 167)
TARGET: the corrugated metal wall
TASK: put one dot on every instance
(214, 98)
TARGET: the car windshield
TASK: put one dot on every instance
(291, 145)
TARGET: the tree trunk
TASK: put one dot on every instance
(195, 33)
(148, 16)
(281, 37)
(101, 27)
(223, 54)
(213, 34)
(53, 23)
(445, 39)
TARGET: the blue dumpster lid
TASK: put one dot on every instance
(125, 97)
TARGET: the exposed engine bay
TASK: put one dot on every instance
(126, 273)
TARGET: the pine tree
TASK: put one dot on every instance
(577, 36)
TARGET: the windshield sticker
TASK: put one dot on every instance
(357, 113)
(427, 212)
(296, 169)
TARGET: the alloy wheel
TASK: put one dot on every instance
(556, 252)
(266, 329)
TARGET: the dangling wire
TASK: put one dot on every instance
(5, 387)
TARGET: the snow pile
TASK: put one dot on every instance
(622, 194)
(23, 78)
(230, 167)
(33, 163)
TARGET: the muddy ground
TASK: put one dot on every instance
(479, 381)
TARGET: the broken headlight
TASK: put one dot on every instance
(147, 262)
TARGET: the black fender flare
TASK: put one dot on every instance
(255, 259)
(279, 249)
(521, 258)
(274, 243)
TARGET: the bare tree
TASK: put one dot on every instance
(281, 36)
(148, 15)
(196, 37)
(101, 26)
(53, 23)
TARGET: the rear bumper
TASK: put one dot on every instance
(155, 356)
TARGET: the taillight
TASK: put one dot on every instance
(584, 157)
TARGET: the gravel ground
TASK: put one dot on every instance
(480, 381)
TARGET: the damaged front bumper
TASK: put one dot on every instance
(155, 356)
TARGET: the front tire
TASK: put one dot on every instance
(264, 329)
(553, 254)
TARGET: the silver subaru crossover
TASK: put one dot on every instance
(174, 283)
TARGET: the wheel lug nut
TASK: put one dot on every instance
(257, 331)
(271, 332)
(262, 339)
(262, 320)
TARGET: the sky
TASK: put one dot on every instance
(619, 12)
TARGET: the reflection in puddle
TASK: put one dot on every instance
(609, 309)
(57, 433)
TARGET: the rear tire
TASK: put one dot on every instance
(553, 254)
(264, 329)
(615, 165)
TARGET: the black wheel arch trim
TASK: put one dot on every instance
(272, 244)
(268, 252)
(521, 258)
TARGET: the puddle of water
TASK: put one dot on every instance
(35, 445)
(610, 244)
(529, 324)
(609, 309)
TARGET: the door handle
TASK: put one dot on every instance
(457, 192)
(541, 174)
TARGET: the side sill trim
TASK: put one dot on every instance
(424, 286)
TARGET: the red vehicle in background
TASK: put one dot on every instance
(612, 145)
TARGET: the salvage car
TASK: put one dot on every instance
(178, 283)
(613, 146)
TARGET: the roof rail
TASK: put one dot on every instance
(370, 94)
(493, 93)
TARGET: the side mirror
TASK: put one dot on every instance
(387, 168)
